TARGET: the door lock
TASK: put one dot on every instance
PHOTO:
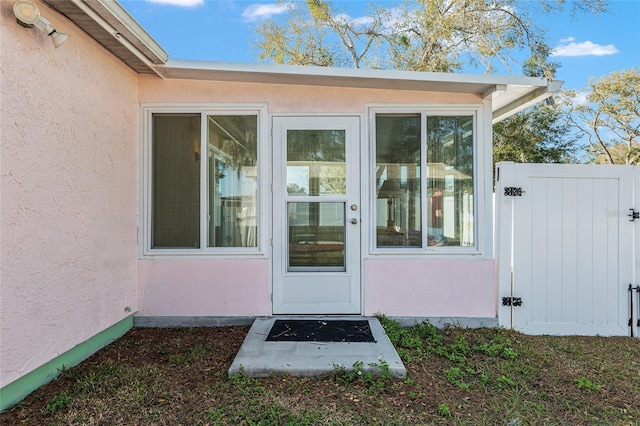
(354, 220)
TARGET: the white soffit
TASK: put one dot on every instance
(509, 94)
(107, 22)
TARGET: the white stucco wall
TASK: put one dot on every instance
(68, 192)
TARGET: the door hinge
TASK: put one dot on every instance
(512, 191)
(633, 215)
(512, 301)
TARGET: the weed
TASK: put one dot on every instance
(444, 411)
(455, 375)
(498, 347)
(504, 382)
(345, 376)
(56, 403)
(485, 379)
(177, 359)
(375, 381)
(586, 384)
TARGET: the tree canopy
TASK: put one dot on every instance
(539, 134)
(416, 35)
(610, 117)
(438, 36)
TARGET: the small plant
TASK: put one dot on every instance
(376, 384)
(455, 376)
(509, 353)
(56, 403)
(344, 376)
(485, 379)
(586, 384)
(504, 382)
(444, 411)
(497, 348)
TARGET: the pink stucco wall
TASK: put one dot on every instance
(231, 287)
(286, 98)
(68, 192)
(430, 287)
(204, 287)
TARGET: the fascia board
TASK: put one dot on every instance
(509, 94)
(520, 103)
(132, 30)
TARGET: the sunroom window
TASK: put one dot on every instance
(424, 180)
(204, 181)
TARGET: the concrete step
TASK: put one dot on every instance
(259, 358)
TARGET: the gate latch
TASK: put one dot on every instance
(633, 215)
(512, 301)
(512, 191)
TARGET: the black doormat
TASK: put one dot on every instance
(320, 331)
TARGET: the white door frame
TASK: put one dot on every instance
(321, 291)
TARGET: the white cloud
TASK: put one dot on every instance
(257, 12)
(361, 21)
(569, 47)
(580, 99)
(182, 3)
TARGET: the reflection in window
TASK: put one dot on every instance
(229, 162)
(450, 181)
(447, 211)
(233, 186)
(316, 162)
(398, 206)
(316, 236)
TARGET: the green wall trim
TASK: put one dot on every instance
(15, 391)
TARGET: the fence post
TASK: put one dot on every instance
(503, 245)
(635, 273)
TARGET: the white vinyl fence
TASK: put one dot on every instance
(567, 248)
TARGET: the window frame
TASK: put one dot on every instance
(481, 154)
(146, 180)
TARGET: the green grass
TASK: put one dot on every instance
(455, 376)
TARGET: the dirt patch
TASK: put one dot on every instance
(179, 376)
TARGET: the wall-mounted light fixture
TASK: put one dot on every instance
(390, 190)
(29, 16)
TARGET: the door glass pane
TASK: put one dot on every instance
(316, 162)
(316, 236)
(398, 204)
(450, 181)
(233, 180)
(176, 181)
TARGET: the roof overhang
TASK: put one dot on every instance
(508, 94)
(112, 26)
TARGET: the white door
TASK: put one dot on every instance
(316, 215)
(573, 248)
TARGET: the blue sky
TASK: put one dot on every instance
(223, 30)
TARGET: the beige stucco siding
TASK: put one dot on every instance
(68, 192)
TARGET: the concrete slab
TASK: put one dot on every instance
(259, 358)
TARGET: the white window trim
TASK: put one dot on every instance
(145, 181)
(483, 205)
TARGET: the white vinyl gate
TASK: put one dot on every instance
(567, 248)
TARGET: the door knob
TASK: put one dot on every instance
(354, 220)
